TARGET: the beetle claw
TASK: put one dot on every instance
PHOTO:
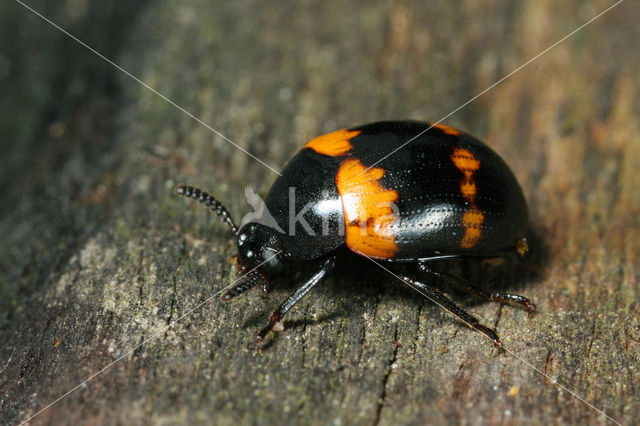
(497, 348)
(531, 309)
(490, 333)
(258, 343)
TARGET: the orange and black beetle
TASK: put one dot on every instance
(445, 194)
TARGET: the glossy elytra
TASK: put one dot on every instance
(445, 194)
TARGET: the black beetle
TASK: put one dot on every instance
(444, 195)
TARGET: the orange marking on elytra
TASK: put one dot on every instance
(333, 144)
(466, 162)
(367, 207)
(472, 218)
(446, 129)
(468, 189)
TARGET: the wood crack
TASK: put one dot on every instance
(418, 331)
(172, 308)
(139, 277)
(593, 334)
(387, 373)
(173, 301)
(547, 364)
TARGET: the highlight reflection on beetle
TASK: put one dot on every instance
(445, 194)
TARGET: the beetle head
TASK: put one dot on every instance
(260, 245)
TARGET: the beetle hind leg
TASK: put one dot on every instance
(481, 292)
(441, 299)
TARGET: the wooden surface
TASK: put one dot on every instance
(97, 255)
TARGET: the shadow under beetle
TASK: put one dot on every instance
(444, 195)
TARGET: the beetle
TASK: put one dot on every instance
(443, 195)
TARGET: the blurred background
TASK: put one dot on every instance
(97, 255)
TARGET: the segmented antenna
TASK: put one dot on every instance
(209, 201)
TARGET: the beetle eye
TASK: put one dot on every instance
(242, 238)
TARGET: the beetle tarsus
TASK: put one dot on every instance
(490, 333)
(437, 296)
(274, 319)
(237, 290)
(512, 298)
(246, 283)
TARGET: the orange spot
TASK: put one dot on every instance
(472, 219)
(513, 391)
(522, 247)
(472, 222)
(446, 129)
(468, 189)
(57, 343)
(333, 144)
(466, 162)
(368, 214)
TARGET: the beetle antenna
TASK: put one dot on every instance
(209, 201)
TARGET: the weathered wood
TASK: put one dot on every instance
(97, 255)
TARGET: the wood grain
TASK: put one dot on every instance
(97, 255)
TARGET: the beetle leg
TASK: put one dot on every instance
(247, 282)
(243, 285)
(439, 297)
(481, 292)
(276, 316)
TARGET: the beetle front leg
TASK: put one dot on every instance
(276, 316)
(246, 283)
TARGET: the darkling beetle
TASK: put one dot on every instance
(444, 195)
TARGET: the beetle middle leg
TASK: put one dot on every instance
(439, 297)
(276, 316)
(478, 291)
